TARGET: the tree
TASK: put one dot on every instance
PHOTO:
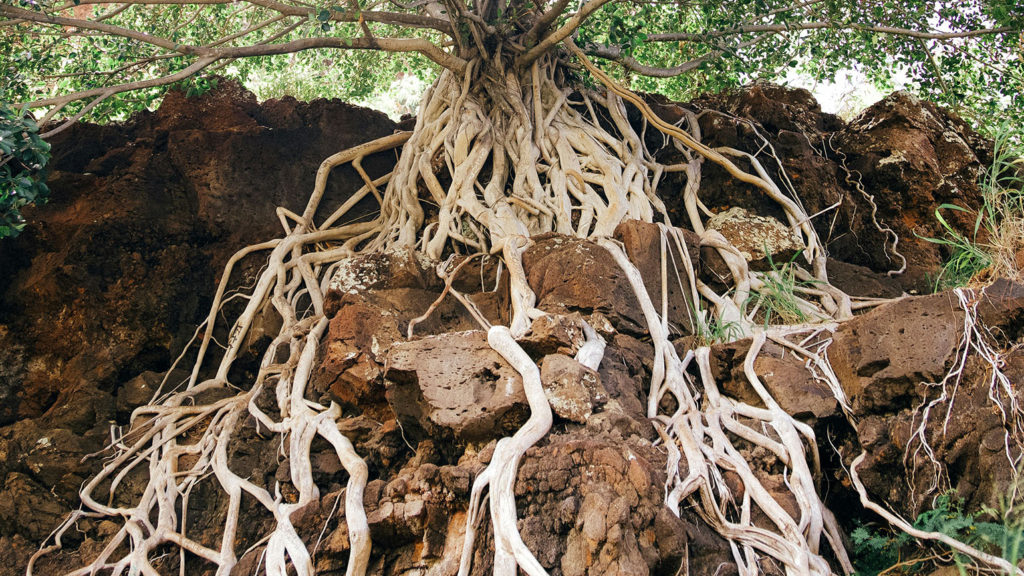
(522, 133)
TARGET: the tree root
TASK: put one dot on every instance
(496, 157)
(973, 338)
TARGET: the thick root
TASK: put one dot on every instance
(495, 158)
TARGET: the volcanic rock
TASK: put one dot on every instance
(454, 385)
(574, 391)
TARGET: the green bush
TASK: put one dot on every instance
(23, 155)
(881, 550)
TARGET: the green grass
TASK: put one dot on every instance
(995, 246)
(717, 331)
(776, 300)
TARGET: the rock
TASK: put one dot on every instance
(106, 285)
(365, 325)
(12, 375)
(912, 157)
(574, 391)
(111, 277)
(140, 390)
(563, 269)
(1001, 305)
(554, 333)
(456, 479)
(29, 506)
(642, 242)
(454, 385)
(624, 373)
(860, 281)
(905, 155)
(143, 217)
(595, 506)
(777, 108)
(783, 375)
(883, 356)
(366, 272)
(893, 362)
(14, 552)
(763, 241)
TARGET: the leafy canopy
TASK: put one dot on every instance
(965, 54)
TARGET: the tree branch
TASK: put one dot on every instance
(420, 45)
(751, 28)
(614, 53)
(148, 2)
(103, 93)
(31, 16)
(562, 33)
(399, 18)
(545, 20)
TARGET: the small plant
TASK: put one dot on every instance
(23, 155)
(717, 331)
(968, 257)
(884, 551)
(995, 246)
(777, 299)
(875, 550)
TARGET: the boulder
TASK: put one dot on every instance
(911, 157)
(763, 241)
(454, 386)
(904, 361)
(563, 269)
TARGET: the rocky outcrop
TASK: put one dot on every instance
(890, 168)
(112, 276)
(923, 397)
(114, 273)
(110, 279)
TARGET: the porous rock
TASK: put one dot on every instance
(454, 385)
(562, 269)
(574, 391)
(762, 240)
(901, 358)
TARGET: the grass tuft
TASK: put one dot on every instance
(995, 247)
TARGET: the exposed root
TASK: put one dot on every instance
(699, 431)
(496, 157)
(973, 338)
(853, 178)
(1000, 564)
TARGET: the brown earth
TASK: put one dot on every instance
(110, 279)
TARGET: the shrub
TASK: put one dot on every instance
(23, 155)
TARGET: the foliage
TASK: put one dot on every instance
(706, 45)
(776, 299)
(996, 243)
(983, 78)
(40, 67)
(23, 155)
(878, 550)
(717, 330)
